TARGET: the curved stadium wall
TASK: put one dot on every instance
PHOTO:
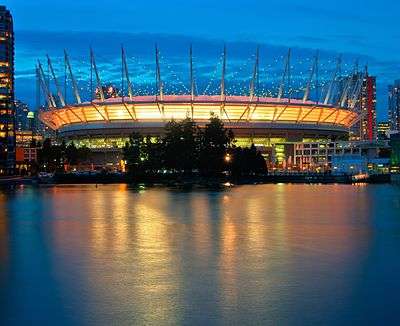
(108, 123)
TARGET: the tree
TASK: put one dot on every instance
(214, 142)
(71, 154)
(133, 152)
(180, 145)
(83, 154)
(153, 148)
(45, 153)
(247, 161)
(51, 157)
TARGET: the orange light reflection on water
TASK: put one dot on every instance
(142, 245)
(3, 230)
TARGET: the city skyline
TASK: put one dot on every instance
(7, 93)
(380, 54)
(199, 162)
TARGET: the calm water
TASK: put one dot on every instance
(265, 254)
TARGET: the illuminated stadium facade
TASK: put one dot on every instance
(105, 123)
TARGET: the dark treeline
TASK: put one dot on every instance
(187, 149)
(52, 158)
(184, 149)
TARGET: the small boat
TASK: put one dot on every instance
(45, 177)
(361, 177)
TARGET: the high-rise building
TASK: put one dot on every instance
(383, 130)
(7, 117)
(395, 156)
(21, 116)
(394, 106)
(366, 128)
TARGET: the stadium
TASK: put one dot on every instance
(105, 122)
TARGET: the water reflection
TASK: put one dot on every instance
(3, 230)
(260, 253)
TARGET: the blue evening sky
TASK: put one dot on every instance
(367, 30)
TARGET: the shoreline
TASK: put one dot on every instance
(188, 181)
(199, 180)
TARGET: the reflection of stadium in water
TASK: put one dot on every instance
(155, 256)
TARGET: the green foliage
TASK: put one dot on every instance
(214, 142)
(184, 148)
(53, 157)
(187, 148)
(247, 161)
(395, 152)
(180, 145)
(71, 154)
(83, 154)
(134, 152)
(74, 155)
(154, 155)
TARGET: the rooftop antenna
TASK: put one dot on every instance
(38, 97)
(356, 66)
(59, 92)
(49, 97)
(192, 87)
(286, 73)
(48, 76)
(289, 76)
(252, 89)
(356, 91)
(312, 73)
(159, 83)
(122, 73)
(254, 79)
(73, 80)
(158, 75)
(345, 94)
(65, 80)
(222, 86)
(126, 72)
(91, 76)
(317, 77)
(331, 84)
(99, 85)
